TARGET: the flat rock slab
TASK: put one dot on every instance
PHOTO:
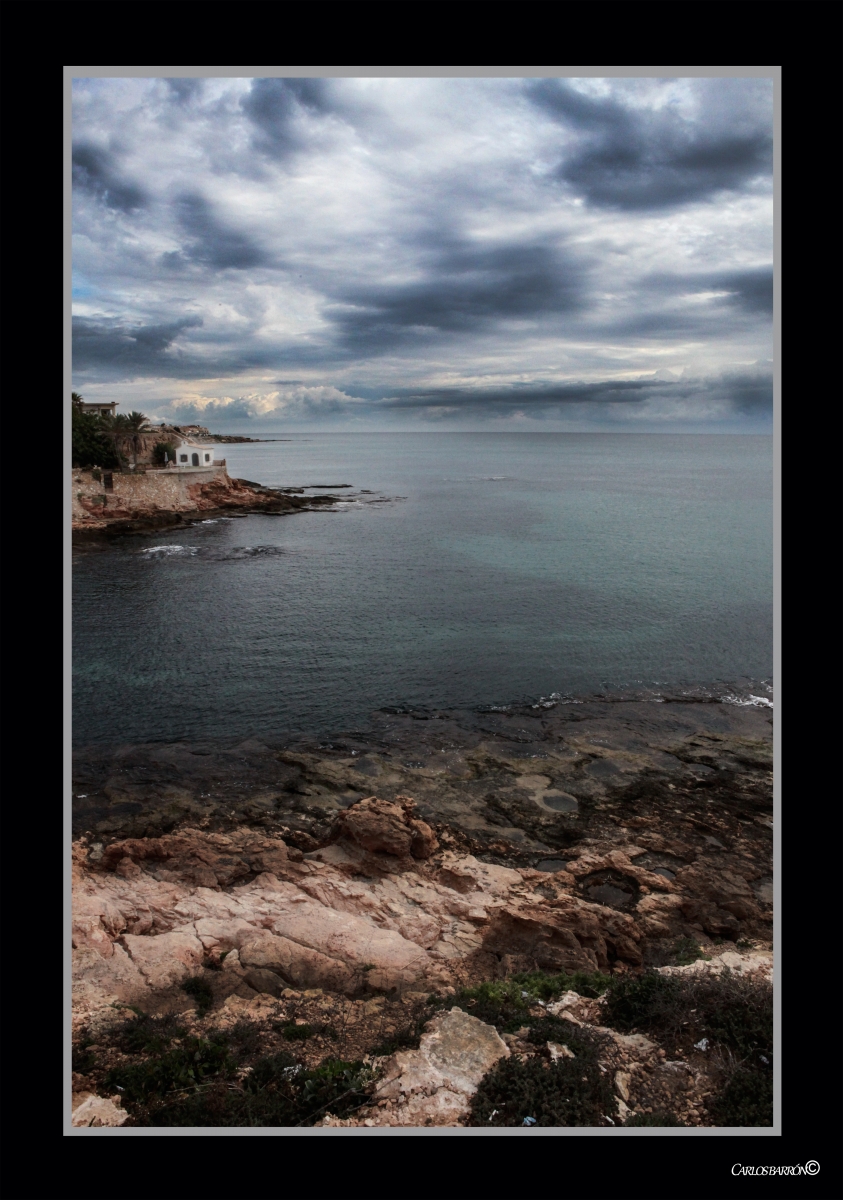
(95, 1112)
(434, 1084)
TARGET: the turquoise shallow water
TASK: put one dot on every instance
(484, 569)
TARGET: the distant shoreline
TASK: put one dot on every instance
(221, 437)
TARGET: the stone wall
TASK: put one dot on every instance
(173, 490)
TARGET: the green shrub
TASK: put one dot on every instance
(647, 1001)
(185, 1067)
(579, 1041)
(729, 1010)
(277, 1092)
(149, 1035)
(686, 951)
(162, 448)
(746, 1101)
(543, 986)
(568, 1092)
(506, 1003)
(90, 445)
(296, 1033)
(497, 1003)
(201, 992)
(734, 1012)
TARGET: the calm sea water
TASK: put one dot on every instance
(484, 569)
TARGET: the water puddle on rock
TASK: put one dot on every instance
(607, 893)
(552, 865)
(610, 888)
(560, 802)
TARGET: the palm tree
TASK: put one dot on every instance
(130, 425)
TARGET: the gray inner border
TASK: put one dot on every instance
(571, 72)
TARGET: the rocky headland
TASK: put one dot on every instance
(113, 503)
(368, 892)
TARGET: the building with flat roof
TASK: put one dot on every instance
(100, 408)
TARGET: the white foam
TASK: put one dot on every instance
(169, 550)
(748, 702)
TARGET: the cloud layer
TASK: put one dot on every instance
(425, 250)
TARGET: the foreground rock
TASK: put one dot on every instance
(757, 964)
(434, 1084)
(657, 812)
(379, 907)
(95, 1112)
(149, 913)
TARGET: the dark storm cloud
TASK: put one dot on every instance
(751, 394)
(750, 289)
(111, 349)
(184, 90)
(635, 159)
(511, 397)
(95, 172)
(746, 392)
(393, 236)
(137, 349)
(275, 105)
(465, 288)
(211, 242)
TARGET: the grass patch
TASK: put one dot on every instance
(506, 1003)
(569, 1092)
(277, 1092)
(183, 1068)
(542, 986)
(149, 1035)
(686, 951)
(200, 991)
(295, 1033)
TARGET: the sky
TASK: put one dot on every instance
(536, 254)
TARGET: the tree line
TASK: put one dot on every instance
(98, 438)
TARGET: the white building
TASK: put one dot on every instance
(102, 410)
(193, 454)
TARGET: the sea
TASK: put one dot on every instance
(458, 571)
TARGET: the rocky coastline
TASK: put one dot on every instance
(159, 499)
(364, 892)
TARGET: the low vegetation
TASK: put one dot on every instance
(178, 1080)
(246, 1075)
(726, 1015)
(537, 1091)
